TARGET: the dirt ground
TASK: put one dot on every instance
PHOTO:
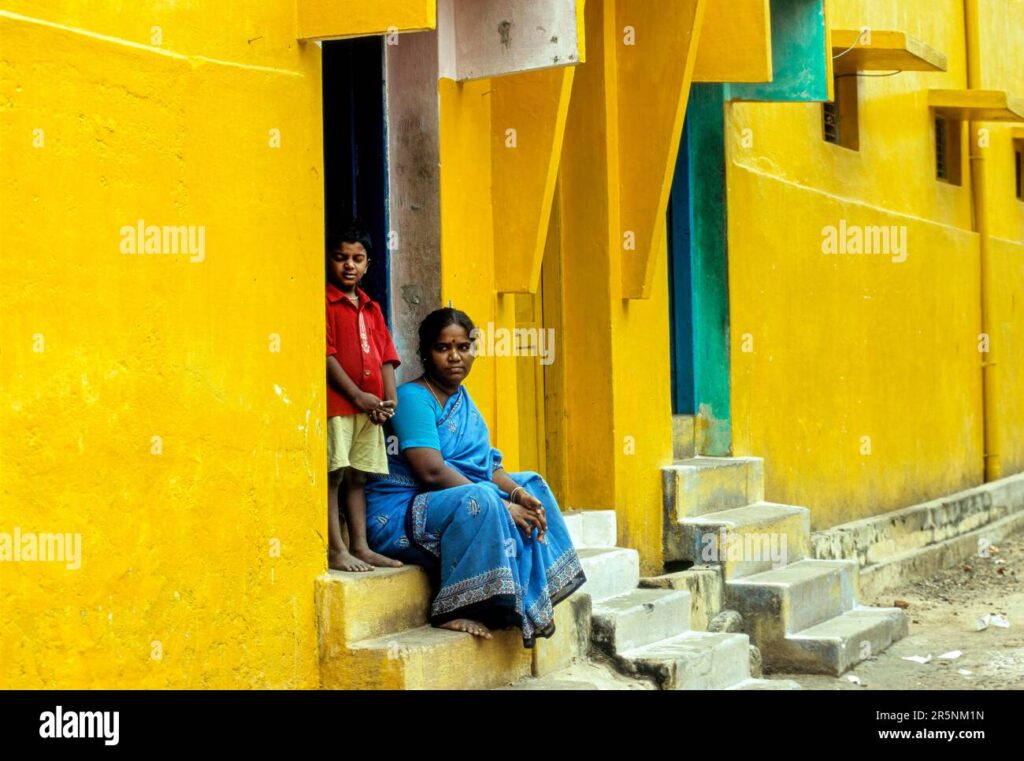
(943, 614)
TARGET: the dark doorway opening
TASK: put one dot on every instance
(355, 157)
(680, 284)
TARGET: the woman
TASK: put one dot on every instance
(495, 542)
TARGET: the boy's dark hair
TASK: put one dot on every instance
(437, 321)
(350, 233)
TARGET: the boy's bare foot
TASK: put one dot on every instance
(343, 560)
(373, 558)
(465, 625)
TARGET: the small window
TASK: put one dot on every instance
(1018, 153)
(839, 117)
(947, 150)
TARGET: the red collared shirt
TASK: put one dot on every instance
(358, 338)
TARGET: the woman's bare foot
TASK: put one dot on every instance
(343, 560)
(465, 625)
(373, 558)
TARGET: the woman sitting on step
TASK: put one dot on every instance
(495, 543)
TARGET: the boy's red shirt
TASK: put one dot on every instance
(361, 358)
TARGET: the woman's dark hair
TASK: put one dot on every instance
(437, 321)
(350, 233)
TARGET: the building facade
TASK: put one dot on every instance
(789, 229)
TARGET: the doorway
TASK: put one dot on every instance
(355, 156)
(699, 273)
(681, 284)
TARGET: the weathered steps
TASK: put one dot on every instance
(743, 540)
(838, 644)
(374, 628)
(355, 606)
(645, 632)
(638, 618)
(373, 634)
(700, 485)
(691, 661)
(591, 528)
(804, 617)
(785, 600)
(708, 484)
(610, 571)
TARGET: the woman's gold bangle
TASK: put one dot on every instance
(512, 494)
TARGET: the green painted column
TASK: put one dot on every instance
(709, 270)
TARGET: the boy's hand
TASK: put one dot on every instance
(366, 403)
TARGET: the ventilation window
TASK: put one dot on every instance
(947, 150)
(839, 117)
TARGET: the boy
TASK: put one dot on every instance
(361, 362)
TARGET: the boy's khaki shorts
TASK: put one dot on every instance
(354, 441)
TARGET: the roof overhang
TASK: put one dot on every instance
(875, 50)
(977, 105)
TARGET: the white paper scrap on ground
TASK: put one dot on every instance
(964, 672)
(918, 658)
(993, 619)
(952, 655)
(853, 678)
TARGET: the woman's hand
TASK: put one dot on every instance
(534, 505)
(528, 520)
(383, 413)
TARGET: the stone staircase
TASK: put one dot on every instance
(800, 612)
(645, 632)
(373, 633)
(747, 554)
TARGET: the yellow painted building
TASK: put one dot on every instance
(162, 186)
(166, 407)
(859, 377)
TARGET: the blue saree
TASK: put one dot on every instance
(484, 567)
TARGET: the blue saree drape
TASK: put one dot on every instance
(485, 567)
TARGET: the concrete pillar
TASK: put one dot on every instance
(414, 184)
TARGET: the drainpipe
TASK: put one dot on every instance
(989, 389)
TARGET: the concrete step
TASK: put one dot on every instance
(639, 618)
(706, 588)
(683, 437)
(356, 606)
(609, 571)
(428, 659)
(836, 645)
(709, 484)
(766, 684)
(743, 540)
(591, 528)
(787, 600)
(691, 661)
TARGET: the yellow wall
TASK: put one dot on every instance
(618, 417)
(827, 349)
(1002, 68)
(101, 351)
(467, 250)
